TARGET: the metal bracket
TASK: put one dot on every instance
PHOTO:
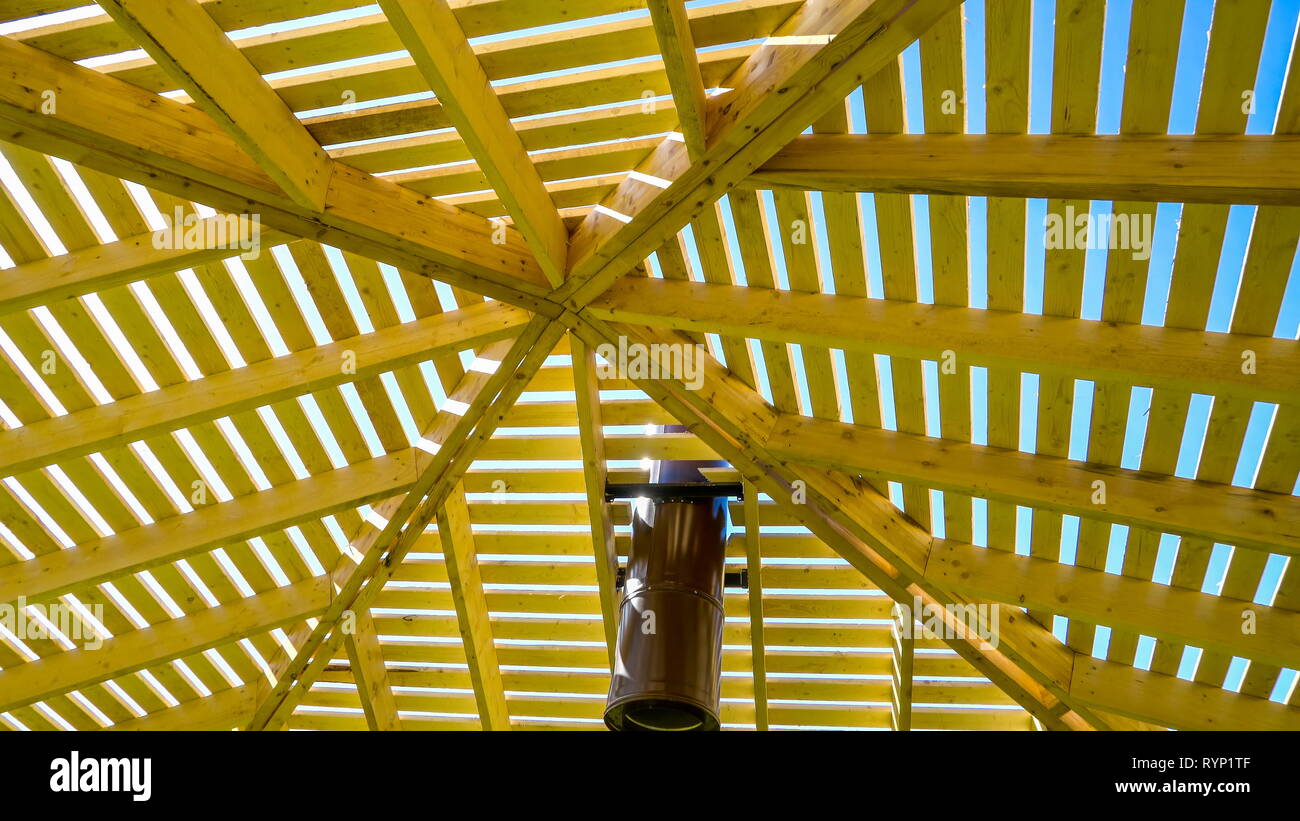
(736, 578)
(675, 491)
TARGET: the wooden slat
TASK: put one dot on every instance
(883, 97)
(102, 267)
(193, 49)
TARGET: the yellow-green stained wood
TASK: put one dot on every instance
(437, 44)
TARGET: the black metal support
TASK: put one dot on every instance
(674, 491)
(736, 578)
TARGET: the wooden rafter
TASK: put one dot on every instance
(102, 267)
(366, 660)
(677, 47)
(1211, 169)
(754, 567)
(903, 656)
(161, 643)
(262, 383)
(444, 56)
(120, 129)
(182, 38)
(208, 527)
(1194, 361)
(1221, 512)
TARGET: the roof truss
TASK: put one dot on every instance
(245, 149)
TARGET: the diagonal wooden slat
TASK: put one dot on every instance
(472, 611)
(182, 38)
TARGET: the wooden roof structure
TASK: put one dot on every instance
(356, 479)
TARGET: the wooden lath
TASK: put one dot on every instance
(198, 454)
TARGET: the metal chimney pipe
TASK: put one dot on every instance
(668, 662)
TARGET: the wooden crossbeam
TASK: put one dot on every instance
(472, 615)
(677, 47)
(1194, 361)
(120, 129)
(1211, 622)
(436, 43)
(592, 437)
(1263, 170)
(1174, 702)
(261, 383)
(457, 438)
(134, 258)
(814, 60)
(185, 41)
(366, 659)
(139, 649)
(1248, 518)
(1030, 664)
(208, 527)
